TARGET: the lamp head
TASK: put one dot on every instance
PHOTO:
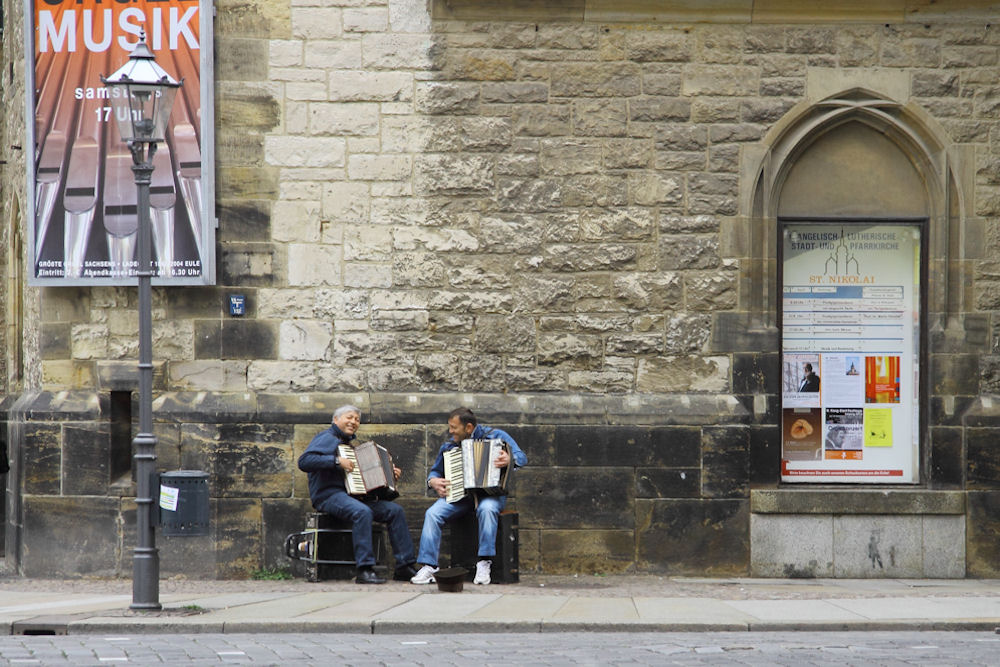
(142, 96)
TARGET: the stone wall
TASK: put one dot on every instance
(536, 209)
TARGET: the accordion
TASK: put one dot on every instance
(472, 467)
(372, 474)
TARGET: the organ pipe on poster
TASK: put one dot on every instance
(84, 210)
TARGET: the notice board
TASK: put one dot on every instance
(850, 352)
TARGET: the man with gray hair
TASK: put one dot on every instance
(328, 491)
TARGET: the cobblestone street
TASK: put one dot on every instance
(855, 648)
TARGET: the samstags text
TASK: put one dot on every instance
(94, 25)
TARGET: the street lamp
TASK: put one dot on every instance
(142, 95)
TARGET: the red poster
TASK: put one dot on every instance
(85, 210)
(882, 379)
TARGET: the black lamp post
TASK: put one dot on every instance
(141, 96)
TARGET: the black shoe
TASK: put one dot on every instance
(368, 576)
(404, 573)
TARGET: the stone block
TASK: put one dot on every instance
(246, 58)
(982, 529)
(765, 455)
(281, 517)
(41, 452)
(508, 10)
(238, 536)
(70, 536)
(310, 264)
(575, 350)
(599, 497)
(982, 459)
(668, 483)
(248, 265)
(659, 46)
(305, 340)
(209, 407)
(877, 546)
(242, 460)
(396, 51)
(209, 375)
(600, 118)
(946, 469)
(756, 373)
(673, 536)
(86, 459)
(955, 374)
(452, 174)
(596, 80)
(725, 462)
(235, 339)
(56, 340)
(587, 551)
(436, 98)
(537, 442)
(683, 374)
(710, 290)
(943, 546)
(67, 374)
(791, 546)
(65, 304)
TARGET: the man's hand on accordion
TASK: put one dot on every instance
(346, 464)
(396, 473)
(503, 458)
(440, 486)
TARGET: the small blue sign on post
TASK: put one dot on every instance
(237, 305)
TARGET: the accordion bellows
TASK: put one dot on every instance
(372, 474)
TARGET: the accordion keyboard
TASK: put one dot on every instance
(453, 473)
(355, 484)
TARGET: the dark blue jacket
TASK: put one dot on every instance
(320, 461)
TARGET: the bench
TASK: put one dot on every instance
(326, 547)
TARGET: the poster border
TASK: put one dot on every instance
(919, 417)
(206, 25)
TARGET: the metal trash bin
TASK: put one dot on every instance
(184, 503)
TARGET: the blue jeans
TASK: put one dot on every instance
(361, 514)
(488, 515)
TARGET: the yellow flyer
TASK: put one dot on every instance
(878, 427)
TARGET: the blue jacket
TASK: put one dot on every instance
(320, 461)
(481, 433)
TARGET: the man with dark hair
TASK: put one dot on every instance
(810, 382)
(328, 491)
(462, 425)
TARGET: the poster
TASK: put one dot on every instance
(84, 213)
(850, 350)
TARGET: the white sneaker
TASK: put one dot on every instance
(424, 575)
(483, 572)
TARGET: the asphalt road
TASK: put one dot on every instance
(697, 648)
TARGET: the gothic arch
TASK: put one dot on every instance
(941, 167)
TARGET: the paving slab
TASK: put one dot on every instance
(910, 608)
(794, 611)
(696, 613)
(358, 606)
(511, 608)
(428, 612)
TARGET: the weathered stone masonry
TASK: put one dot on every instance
(540, 210)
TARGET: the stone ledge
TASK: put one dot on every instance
(856, 501)
(406, 408)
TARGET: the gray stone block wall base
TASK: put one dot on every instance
(857, 534)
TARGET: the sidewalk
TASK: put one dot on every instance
(536, 604)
